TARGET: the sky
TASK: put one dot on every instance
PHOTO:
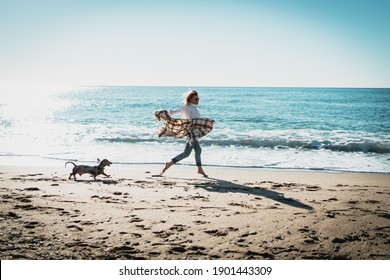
(281, 43)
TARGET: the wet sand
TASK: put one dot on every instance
(234, 214)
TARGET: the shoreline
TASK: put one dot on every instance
(32, 160)
(234, 214)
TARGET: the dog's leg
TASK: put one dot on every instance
(106, 174)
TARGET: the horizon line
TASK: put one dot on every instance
(35, 85)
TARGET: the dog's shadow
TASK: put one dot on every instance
(103, 181)
(222, 186)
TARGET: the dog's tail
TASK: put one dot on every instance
(69, 162)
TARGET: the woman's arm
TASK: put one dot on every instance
(175, 112)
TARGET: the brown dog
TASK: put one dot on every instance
(94, 170)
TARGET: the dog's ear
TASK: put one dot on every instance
(98, 160)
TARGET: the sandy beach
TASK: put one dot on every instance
(234, 214)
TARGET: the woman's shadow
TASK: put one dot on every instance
(222, 186)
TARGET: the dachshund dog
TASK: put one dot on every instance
(93, 170)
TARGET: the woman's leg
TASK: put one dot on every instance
(186, 153)
(198, 151)
(183, 155)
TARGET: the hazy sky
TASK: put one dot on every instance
(335, 43)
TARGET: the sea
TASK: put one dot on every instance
(330, 129)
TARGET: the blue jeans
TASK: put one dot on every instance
(187, 151)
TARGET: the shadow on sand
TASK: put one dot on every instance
(222, 186)
(103, 181)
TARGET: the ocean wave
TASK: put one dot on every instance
(365, 147)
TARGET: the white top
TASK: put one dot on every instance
(189, 112)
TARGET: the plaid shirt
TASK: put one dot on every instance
(194, 129)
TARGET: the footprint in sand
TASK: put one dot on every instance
(179, 227)
(135, 220)
(220, 232)
(200, 222)
(162, 234)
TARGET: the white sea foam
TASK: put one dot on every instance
(256, 128)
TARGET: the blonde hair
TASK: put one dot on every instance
(188, 96)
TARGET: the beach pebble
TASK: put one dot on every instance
(248, 233)
(330, 215)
